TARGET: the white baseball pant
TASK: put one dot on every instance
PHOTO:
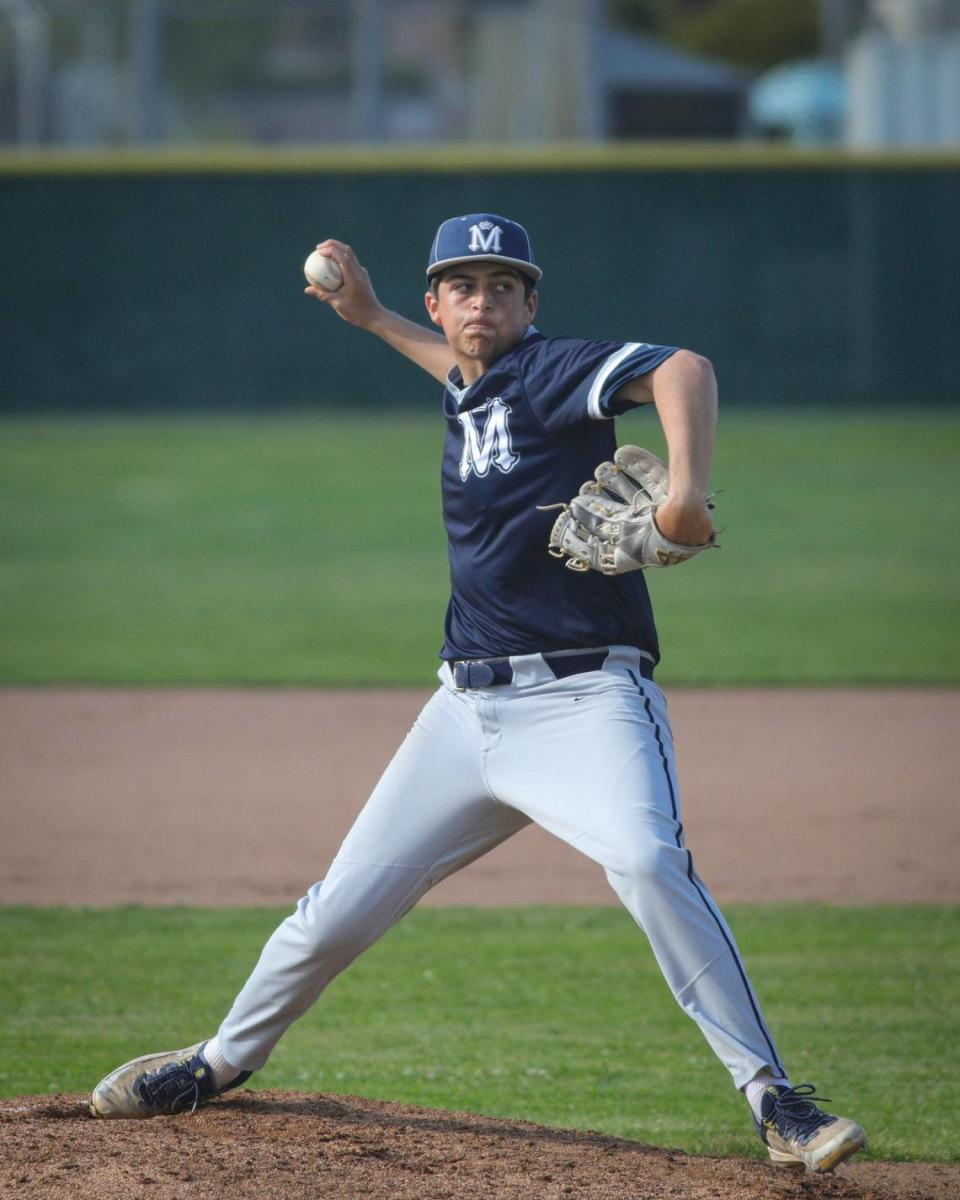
(590, 759)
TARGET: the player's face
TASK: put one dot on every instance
(483, 311)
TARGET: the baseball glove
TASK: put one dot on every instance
(610, 525)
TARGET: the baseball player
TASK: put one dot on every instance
(547, 709)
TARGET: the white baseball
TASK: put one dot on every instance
(323, 272)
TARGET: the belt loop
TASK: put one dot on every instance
(630, 658)
(530, 669)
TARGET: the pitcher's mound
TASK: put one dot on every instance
(295, 1146)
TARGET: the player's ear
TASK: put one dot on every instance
(433, 307)
(532, 301)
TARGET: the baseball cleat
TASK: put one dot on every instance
(159, 1085)
(798, 1134)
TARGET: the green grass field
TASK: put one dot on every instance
(553, 1015)
(309, 550)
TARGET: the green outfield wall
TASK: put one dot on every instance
(174, 281)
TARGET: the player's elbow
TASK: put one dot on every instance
(695, 365)
(694, 375)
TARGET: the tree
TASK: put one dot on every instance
(755, 34)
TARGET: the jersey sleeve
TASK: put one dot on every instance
(567, 381)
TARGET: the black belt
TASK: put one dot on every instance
(494, 672)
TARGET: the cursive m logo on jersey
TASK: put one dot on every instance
(491, 447)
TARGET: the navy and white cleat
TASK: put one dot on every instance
(798, 1134)
(159, 1085)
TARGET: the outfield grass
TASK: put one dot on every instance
(550, 1014)
(309, 550)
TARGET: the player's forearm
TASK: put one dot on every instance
(356, 302)
(685, 394)
(684, 390)
(422, 346)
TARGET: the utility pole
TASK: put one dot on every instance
(31, 31)
(367, 55)
(145, 65)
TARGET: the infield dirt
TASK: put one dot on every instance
(859, 784)
(288, 1146)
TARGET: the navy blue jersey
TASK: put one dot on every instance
(528, 432)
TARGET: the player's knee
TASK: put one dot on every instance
(645, 862)
(327, 936)
(327, 928)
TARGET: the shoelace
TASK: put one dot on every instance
(795, 1113)
(171, 1088)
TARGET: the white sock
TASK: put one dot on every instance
(223, 1072)
(754, 1090)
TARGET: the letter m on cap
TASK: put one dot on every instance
(485, 238)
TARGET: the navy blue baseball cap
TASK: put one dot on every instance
(482, 237)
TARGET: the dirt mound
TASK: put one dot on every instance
(290, 1145)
